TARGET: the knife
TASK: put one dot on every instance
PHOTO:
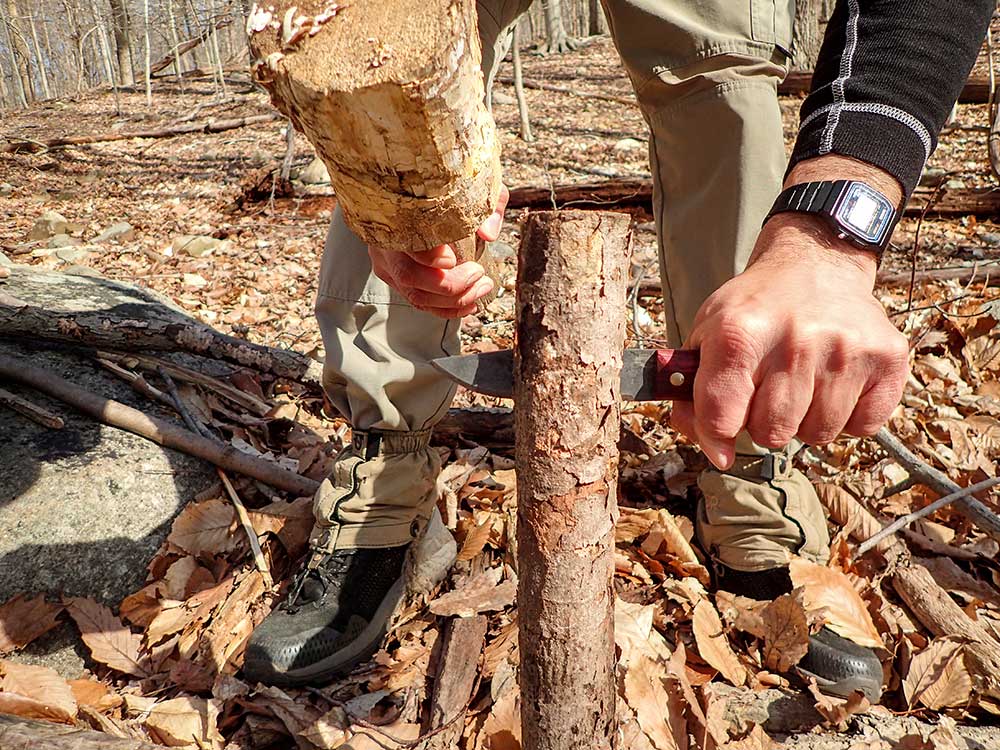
(647, 374)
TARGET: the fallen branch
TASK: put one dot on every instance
(930, 603)
(16, 733)
(798, 83)
(458, 662)
(15, 145)
(196, 426)
(916, 515)
(34, 412)
(538, 85)
(159, 431)
(927, 475)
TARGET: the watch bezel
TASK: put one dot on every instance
(850, 231)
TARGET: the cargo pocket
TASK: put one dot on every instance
(771, 22)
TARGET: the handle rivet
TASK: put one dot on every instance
(677, 379)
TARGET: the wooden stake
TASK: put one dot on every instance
(572, 276)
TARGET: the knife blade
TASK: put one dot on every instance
(647, 374)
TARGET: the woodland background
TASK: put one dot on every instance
(198, 191)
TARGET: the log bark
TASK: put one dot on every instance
(391, 97)
(24, 734)
(975, 91)
(458, 662)
(113, 315)
(572, 276)
(15, 145)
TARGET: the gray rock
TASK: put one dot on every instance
(315, 173)
(5, 261)
(83, 509)
(6, 189)
(499, 97)
(629, 144)
(72, 254)
(120, 232)
(196, 246)
(48, 225)
(955, 184)
(502, 250)
(62, 240)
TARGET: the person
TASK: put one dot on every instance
(794, 346)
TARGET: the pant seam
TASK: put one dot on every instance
(717, 91)
(366, 299)
(747, 48)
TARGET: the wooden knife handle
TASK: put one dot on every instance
(675, 371)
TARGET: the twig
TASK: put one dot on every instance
(195, 425)
(170, 435)
(916, 515)
(936, 480)
(34, 412)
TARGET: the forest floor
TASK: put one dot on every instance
(180, 683)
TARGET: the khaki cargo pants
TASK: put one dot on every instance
(705, 74)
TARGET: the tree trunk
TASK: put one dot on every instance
(19, 51)
(597, 24)
(810, 25)
(522, 103)
(394, 109)
(556, 38)
(147, 54)
(123, 44)
(40, 58)
(17, 83)
(572, 275)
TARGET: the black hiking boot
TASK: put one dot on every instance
(838, 665)
(335, 617)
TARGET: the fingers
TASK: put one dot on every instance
(410, 276)
(490, 229)
(723, 390)
(779, 405)
(442, 256)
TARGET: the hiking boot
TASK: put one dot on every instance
(838, 665)
(334, 618)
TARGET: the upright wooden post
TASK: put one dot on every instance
(570, 330)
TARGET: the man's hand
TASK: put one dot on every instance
(795, 346)
(434, 281)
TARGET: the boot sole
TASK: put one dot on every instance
(342, 661)
(845, 688)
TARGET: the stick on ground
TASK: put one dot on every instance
(159, 431)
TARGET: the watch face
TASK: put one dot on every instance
(866, 213)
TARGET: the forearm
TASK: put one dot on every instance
(888, 74)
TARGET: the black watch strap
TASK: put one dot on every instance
(809, 197)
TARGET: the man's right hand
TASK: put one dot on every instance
(434, 281)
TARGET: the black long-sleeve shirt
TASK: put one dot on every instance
(888, 74)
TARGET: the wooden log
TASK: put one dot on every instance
(390, 94)
(975, 91)
(15, 145)
(458, 662)
(572, 276)
(24, 734)
(114, 315)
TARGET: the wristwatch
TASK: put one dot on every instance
(854, 210)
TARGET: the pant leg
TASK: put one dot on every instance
(378, 374)
(705, 74)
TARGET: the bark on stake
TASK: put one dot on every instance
(570, 331)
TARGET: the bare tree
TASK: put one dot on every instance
(19, 51)
(596, 22)
(811, 17)
(123, 43)
(556, 38)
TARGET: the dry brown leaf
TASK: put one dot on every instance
(370, 739)
(329, 730)
(830, 591)
(481, 593)
(174, 617)
(35, 692)
(475, 540)
(635, 634)
(755, 739)
(226, 637)
(683, 695)
(742, 612)
(22, 620)
(713, 645)
(938, 677)
(88, 692)
(503, 726)
(109, 641)
(207, 527)
(946, 737)
(290, 522)
(647, 695)
(186, 722)
(955, 580)
(142, 606)
(786, 632)
(838, 711)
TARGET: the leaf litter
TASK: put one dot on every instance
(166, 666)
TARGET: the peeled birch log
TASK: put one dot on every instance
(390, 94)
(572, 275)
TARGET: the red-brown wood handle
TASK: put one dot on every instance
(675, 371)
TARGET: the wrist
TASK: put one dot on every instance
(791, 239)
